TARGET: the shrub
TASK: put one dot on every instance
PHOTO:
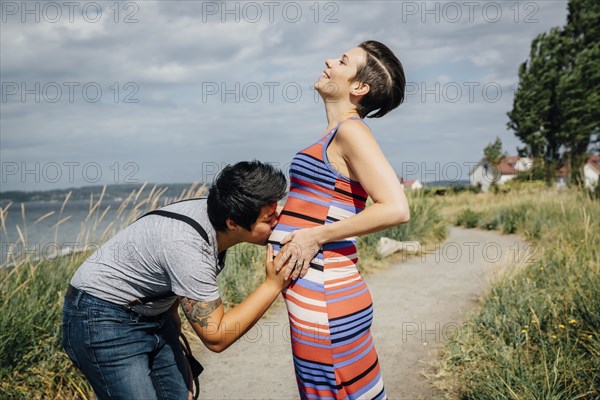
(490, 224)
(468, 218)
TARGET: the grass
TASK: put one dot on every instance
(537, 334)
(426, 225)
(33, 364)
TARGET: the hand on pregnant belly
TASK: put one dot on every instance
(271, 275)
(299, 248)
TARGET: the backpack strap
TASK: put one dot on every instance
(180, 217)
(183, 218)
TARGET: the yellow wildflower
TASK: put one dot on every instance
(572, 321)
(561, 326)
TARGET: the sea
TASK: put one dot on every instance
(39, 230)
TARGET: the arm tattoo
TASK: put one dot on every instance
(198, 311)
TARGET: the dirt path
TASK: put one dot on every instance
(417, 303)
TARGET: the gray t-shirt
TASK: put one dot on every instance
(155, 255)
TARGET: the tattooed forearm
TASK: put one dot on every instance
(198, 311)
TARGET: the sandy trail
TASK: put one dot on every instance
(418, 302)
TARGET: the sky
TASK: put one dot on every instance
(104, 92)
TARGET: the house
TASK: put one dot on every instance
(412, 184)
(591, 171)
(562, 176)
(485, 174)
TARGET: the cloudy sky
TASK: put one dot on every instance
(169, 91)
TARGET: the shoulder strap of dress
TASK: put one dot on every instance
(334, 130)
(344, 120)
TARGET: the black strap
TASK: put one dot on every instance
(195, 367)
(180, 217)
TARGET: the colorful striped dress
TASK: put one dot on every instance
(330, 308)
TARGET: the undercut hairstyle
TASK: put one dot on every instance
(384, 74)
(241, 190)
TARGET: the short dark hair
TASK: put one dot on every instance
(241, 190)
(384, 74)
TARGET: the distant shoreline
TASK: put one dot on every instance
(118, 192)
(113, 192)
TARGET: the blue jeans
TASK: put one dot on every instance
(123, 354)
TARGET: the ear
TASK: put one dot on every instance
(359, 89)
(232, 226)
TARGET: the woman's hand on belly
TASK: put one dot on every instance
(299, 248)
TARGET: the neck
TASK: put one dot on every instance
(225, 240)
(338, 111)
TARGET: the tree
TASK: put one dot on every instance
(556, 109)
(579, 87)
(493, 154)
(536, 117)
(579, 99)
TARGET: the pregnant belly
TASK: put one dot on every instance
(276, 237)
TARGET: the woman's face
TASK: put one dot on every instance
(336, 79)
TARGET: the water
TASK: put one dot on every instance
(45, 240)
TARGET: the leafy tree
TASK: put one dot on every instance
(579, 87)
(556, 109)
(493, 154)
(535, 117)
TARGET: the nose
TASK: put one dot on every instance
(328, 63)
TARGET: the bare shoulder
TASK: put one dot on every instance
(199, 311)
(354, 134)
(354, 126)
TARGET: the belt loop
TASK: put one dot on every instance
(77, 298)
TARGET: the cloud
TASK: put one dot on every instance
(170, 85)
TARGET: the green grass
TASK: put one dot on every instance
(426, 225)
(537, 335)
(32, 363)
(244, 271)
(468, 218)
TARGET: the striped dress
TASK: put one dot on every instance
(330, 308)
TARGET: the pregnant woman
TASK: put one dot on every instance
(329, 305)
